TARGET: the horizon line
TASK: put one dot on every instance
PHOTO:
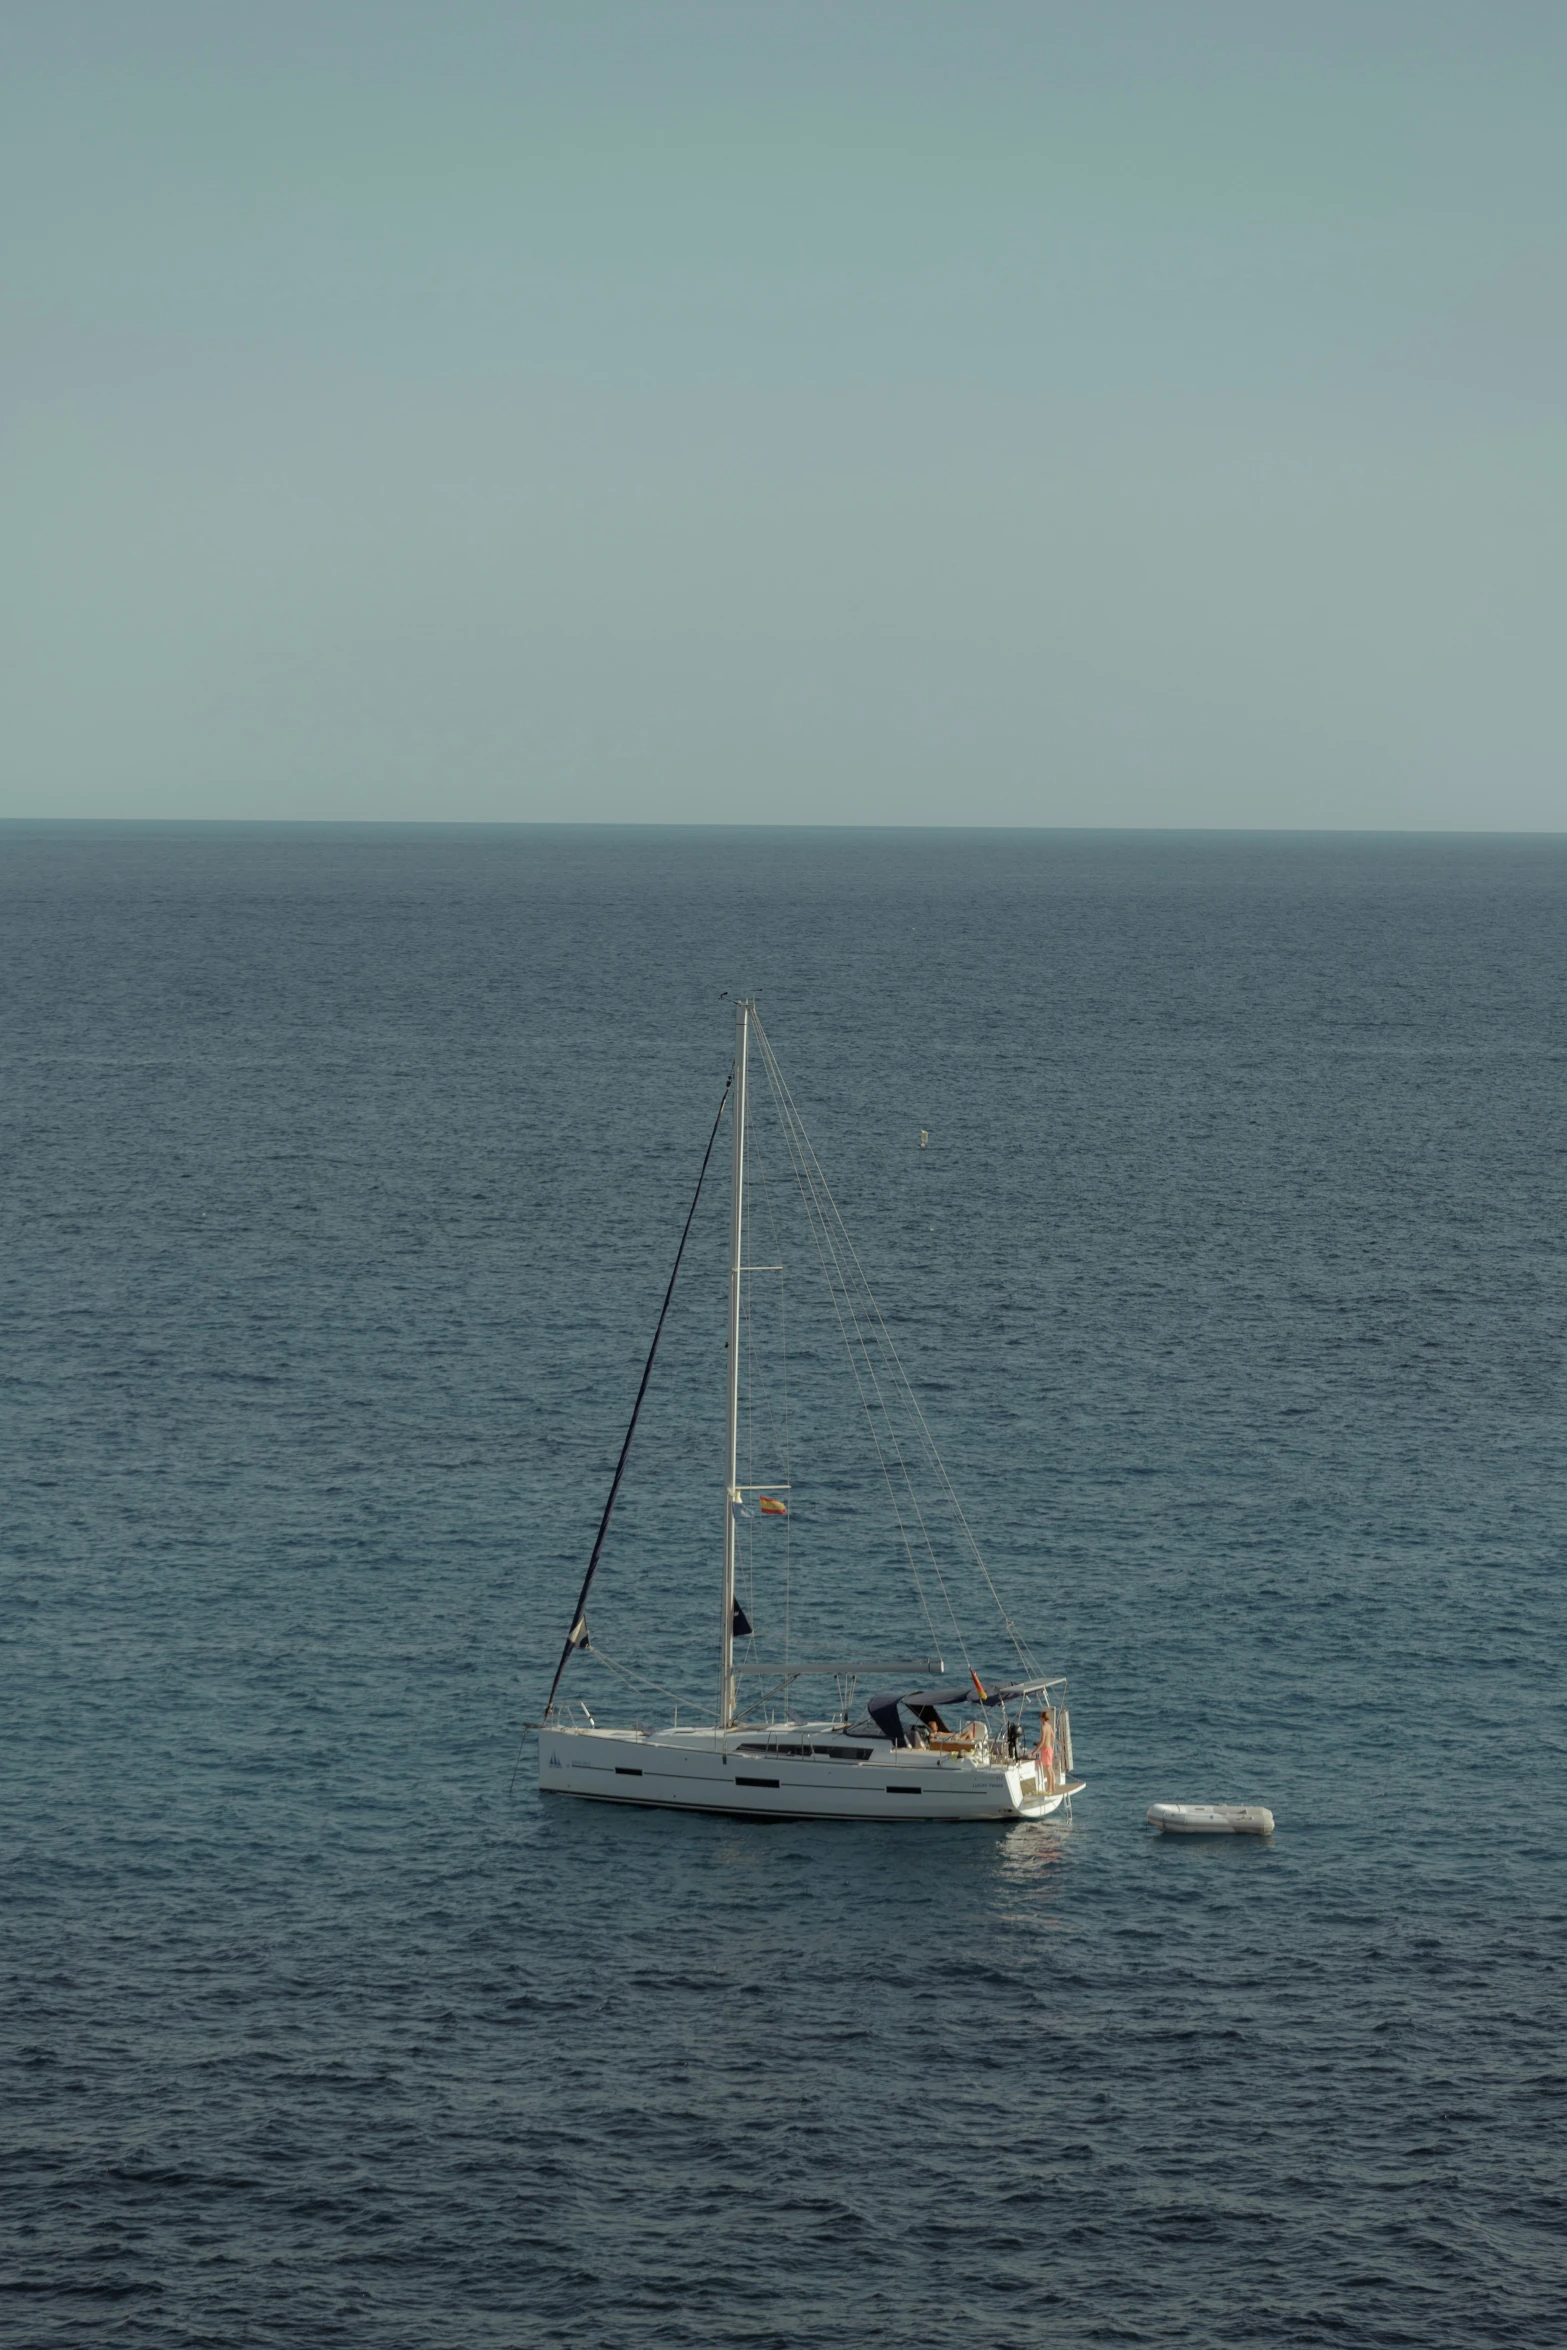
(508, 824)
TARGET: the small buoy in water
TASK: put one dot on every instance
(1211, 1819)
(924, 1138)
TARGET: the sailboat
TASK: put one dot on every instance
(925, 1741)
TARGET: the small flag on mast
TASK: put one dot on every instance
(979, 1685)
(770, 1508)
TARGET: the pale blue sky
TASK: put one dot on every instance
(884, 413)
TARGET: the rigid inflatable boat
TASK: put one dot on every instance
(1211, 1819)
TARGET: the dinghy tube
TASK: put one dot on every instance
(1211, 1819)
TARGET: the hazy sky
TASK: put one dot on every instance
(1022, 414)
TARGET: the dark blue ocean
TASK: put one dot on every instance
(343, 1170)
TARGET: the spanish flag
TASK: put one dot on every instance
(770, 1508)
(979, 1685)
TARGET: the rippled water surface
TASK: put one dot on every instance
(342, 1177)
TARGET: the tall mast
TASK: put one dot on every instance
(726, 1681)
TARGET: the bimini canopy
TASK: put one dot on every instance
(925, 1704)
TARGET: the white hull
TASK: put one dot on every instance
(793, 1772)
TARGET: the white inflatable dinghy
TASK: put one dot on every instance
(1211, 1819)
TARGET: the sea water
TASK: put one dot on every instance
(343, 1174)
